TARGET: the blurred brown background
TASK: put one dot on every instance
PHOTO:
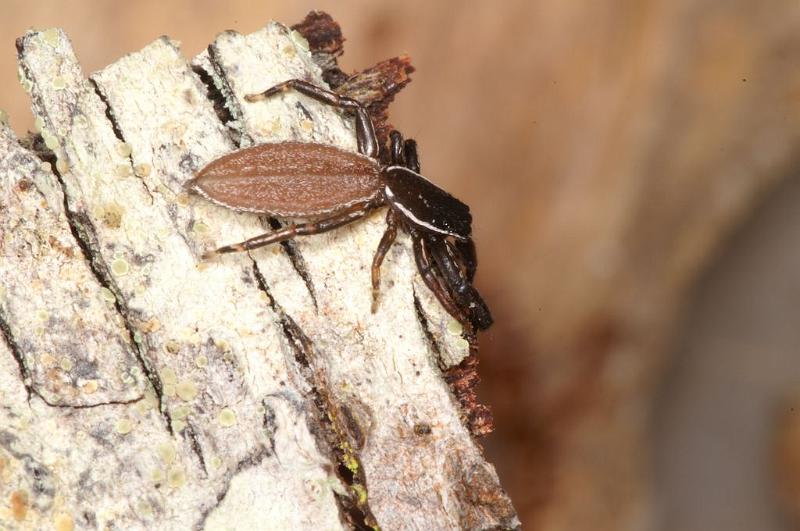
(633, 171)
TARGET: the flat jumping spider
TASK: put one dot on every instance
(333, 187)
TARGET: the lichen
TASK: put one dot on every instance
(120, 267)
(124, 149)
(176, 477)
(123, 426)
(226, 417)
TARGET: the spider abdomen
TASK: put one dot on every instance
(289, 179)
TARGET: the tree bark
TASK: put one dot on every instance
(141, 387)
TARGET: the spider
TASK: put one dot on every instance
(332, 187)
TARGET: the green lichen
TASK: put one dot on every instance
(120, 267)
(226, 417)
(361, 493)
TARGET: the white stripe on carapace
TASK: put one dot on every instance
(407, 213)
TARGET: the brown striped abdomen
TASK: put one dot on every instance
(289, 179)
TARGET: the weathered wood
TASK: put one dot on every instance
(145, 388)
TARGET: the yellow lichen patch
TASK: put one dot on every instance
(454, 327)
(275, 126)
(59, 83)
(181, 412)
(186, 390)
(361, 493)
(169, 390)
(26, 83)
(216, 462)
(124, 170)
(66, 364)
(222, 345)
(42, 315)
(90, 387)
(289, 50)
(63, 522)
(226, 417)
(50, 140)
(172, 346)
(167, 453)
(148, 402)
(19, 504)
(124, 149)
(168, 376)
(107, 295)
(157, 475)
(348, 459)
(176, 477)
(307, 125)
(62, 165)
(201, 361)
(142, 170)
(151, 325)
(50, 36)
(200, 228)
(120, 267)
(111, 215)
(182, 199)
(124, 426)
(462, 343)
(178, 426)
(144, 508)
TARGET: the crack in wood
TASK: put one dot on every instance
(426, 330)
(83, 232)
(191, 434)
(253, 459)
(215, 96)
(226, 94)
(16, 353)
(296, 258)
(349, 468)
(117, 130)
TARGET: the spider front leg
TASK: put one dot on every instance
(344, 217)
(403, 152)
(365, 130)
(383, 247)
(465, 295)
(434, 282)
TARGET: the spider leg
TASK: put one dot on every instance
(349, 215)
(434, 283)
(383, 247)
(464, 252)
(404, 152)
(410, 155)
(365, 130)
(396, 144)
(466, 296)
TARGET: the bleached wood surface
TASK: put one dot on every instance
(144, 388)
